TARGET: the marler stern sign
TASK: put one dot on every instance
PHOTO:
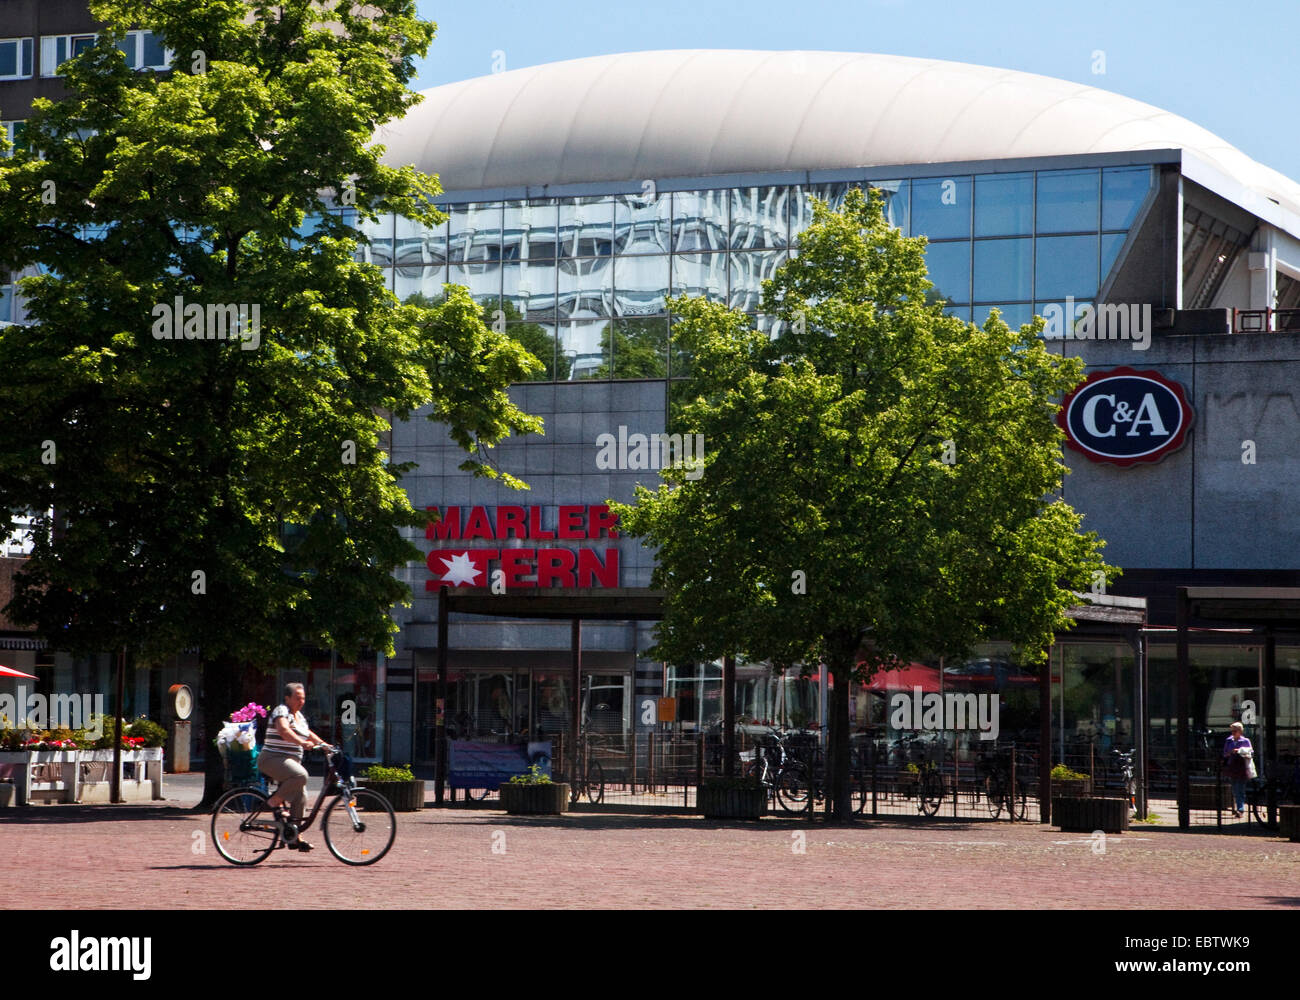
(1124, 416)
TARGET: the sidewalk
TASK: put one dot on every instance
(141, 857)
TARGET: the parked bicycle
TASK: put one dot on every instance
(1285, 784)
(805, 774)
(589, 782)
(359, 824)
(999, 792)
(1124, 760)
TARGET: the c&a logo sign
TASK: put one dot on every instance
(1124, 416)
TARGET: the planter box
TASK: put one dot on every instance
(1071, 789)
(81, 775)
(404, 796)
(1288, 822)
(1202, 797)
(1087, 814)
(535, 800)
(731, 803)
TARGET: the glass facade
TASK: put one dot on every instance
(584, 282)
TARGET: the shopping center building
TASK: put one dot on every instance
(581, 196)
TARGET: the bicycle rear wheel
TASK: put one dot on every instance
(792, 788)
(860, 794)
(359, 828)
(1257, 803)
(931, 793)
(594, 786)
(243, 828)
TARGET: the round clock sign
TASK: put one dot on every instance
(1124, 416)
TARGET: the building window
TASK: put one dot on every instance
(58, 49)
(145, 50)
(15, 58)
(11, 131)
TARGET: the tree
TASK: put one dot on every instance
(877, 480)
(639, 348)
(531, 336)
(227, 487)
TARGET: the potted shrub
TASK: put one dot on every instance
(1070, 784)
(398, 785)
(731, 798)
(534, 794)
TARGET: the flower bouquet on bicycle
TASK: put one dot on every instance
(359, 824)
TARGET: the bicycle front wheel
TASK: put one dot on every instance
(594, 786)
(359, 828)
(243, 829)
(931, 793)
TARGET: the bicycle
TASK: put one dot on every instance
(1125, 762)
(590, 779)
(803, 774)
(246, 830)
(998, 792)
(1286, 790)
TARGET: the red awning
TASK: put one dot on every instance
(906, 678)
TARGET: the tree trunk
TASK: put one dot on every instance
(219, 697)
(839, 806)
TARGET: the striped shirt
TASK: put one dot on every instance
(275, 743)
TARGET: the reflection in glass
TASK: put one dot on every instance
(586, 227)
(941, 207)
(483, 281)
(640, 348)
(748, 272)
(1058, 321)
(801, 203)
(1066, 265)
(641, 285)
(963, 313)
(530, 289)
(1004, 204)
(542, 343)
(758, 217)
(1003, 269)
(426, 281)
(418, 246)
(474, 232)
(1123, 189)
(581, 345)
(586, 287)
(1014, 314)
(380, 234)
(642, 225)
(897, 195)
(949, 265)
(700, 274)
(1067, 201)
(1111, 244)
(699, 220)
(529, 230)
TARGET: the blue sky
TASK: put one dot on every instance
(1227, 67)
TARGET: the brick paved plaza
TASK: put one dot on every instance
(145, 857)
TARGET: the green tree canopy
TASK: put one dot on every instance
(878, 480)
(232, 493)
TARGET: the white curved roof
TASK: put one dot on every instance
(689, 113)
